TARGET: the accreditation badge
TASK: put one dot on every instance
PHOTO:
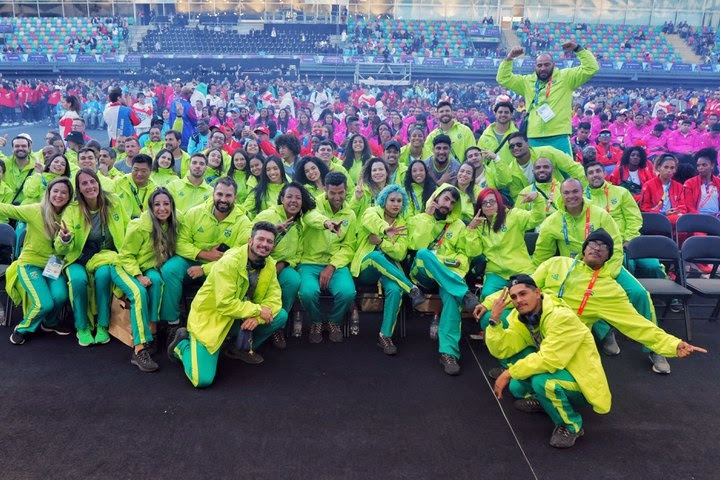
(545, 112)
(53, 268)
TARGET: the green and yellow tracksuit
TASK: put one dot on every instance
(242, 186)
(398, 176)
(380, 263)
(152, 148)
(42, 298)
(561, 232)
(137, 257)
(72, 158)
(549, 192)
(415, 201)
(562, 367)
(221, 304)
(15, 177)
(268, 200)
(366, 201)
(321, 248)
(563, 167)
(287, 250)
(112, 174)
(336, 165)
(199, 231)
(133, 198)
(406, 157)
(6, 196)
(468, 203)
(96, 276)
(107, 183)
(187, 195)
(489, 141)
(163, 177)
(184, 161)
(35, 186)
(556, 93)
(444, 248)
(461, 138)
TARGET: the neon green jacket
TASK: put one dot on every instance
(107, 183)
(152, 148)
(563, 167)
(608, 300)
(14, 177)
(461, 138)
(187, 195)
(163, 177)
(505, 250)
(322, 247)
(398, 178)
(457, 243)
(373, 222)
(200, 230)
(549, 192)
(137, 254)
(134, 199)
(6, 195)
(405, 159)
(221, 299)
(117, 222)
(242, 184)
(37, 247)
(270, 199)
(287, 246)
(623, 208)
(557, 95)
(488, 140)
(184, 163)
(366, 201)
(35, 186)
(564, 233)
(415, 201)
(566, 343)
(468, 203)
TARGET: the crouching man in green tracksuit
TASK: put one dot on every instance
(241, 288)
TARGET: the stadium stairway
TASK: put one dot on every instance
(137, 33)
(510, 39)
(682, 49)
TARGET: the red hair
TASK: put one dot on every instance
(501, 211)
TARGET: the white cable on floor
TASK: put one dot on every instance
(502, 410)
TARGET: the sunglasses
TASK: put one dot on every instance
(515, 145)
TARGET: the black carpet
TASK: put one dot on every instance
(333, 411)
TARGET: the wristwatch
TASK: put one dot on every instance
(494, 322)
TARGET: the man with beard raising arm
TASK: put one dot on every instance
(206, 233)
(242, 286)
(549, 93)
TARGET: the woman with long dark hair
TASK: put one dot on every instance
(240, 172)
(375, 177)
(357, 153)
(266, 192)
(633, 171)
(215, 166)
(419, 186)
(72, 106)
(310, 172)
(36, 185)
(163, 168)
(465, 181)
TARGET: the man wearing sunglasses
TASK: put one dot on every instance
(607, 154)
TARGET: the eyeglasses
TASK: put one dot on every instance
(515, 145)
(599, 246)
(604, 135)
(489, 203)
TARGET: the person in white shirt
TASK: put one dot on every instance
(144, 111)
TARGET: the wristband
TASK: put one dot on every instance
(493, 322)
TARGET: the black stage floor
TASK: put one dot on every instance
(342, 411)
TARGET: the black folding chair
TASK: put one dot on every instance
(698, 223)
(7, 249)
(704, 250)
(656, 224)
(666, 251)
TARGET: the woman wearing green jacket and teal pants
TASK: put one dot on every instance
(92, 233)
(43, 296)
(150, 240)
(381, 243)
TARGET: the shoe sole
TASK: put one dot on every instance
(658, 371)
(611, 353)
(52, 330)
(16, 343)
(102, 343)
(580, 434)
(172, 344)
(387, 352)
(143, 369)
(453, 372)
(315, 340)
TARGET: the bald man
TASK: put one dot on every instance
(548, 94)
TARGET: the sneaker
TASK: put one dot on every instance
(143, 361)
(659, 364)
(416, 296)
(610, 346)
(174, 339)
(253, 358)
(562, 437)
(85, 337)
(315, 335)
(152, 346)
(494, 373)
(387, 345)
(101, 336)
(278, 339)
(56, 329)
(528, 405)
(470, 301)
(676, 305)
(335, 333)
(17, 338)
(450, 364)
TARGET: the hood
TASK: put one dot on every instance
(456, 213)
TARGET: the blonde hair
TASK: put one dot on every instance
(48, 212)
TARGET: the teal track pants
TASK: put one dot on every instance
(429, 272)
(138, 297)
(558, 394)
(78, 282)
(341, 287)
(492, 283)
(46, 298)
(174, 275)
(376, 266)
(289, 279)
(561, 142)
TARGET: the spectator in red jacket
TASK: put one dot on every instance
(662, 194)
(701, 191)
(607, 154)
(633, 171)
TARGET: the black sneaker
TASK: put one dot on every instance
(494, 373)
(177, 336)
(470, 301)
(315, 335)
(450, 364)
(528, 405)
(416, 296)
(56, 329)
(17, 338)
(278, 339)
(152, 346)
(143, 361)
(387, 345)
(562, 437)
(253, 358)
(335, 333)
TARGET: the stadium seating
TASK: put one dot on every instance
(50, 35)
(606, 40)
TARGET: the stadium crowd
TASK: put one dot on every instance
(265, 195)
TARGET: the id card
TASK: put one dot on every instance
(53, 268)
(545, 112)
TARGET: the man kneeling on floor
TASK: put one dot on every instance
(243, 289)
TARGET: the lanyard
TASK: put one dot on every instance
(607, 198)
(666, 191)
(549, 198)
(565, 227)
(588, 291)
(709, 191)
(437, 243)
(137, 199)
(414, 198)
(548, 86)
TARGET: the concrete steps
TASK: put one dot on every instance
(682, 49)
